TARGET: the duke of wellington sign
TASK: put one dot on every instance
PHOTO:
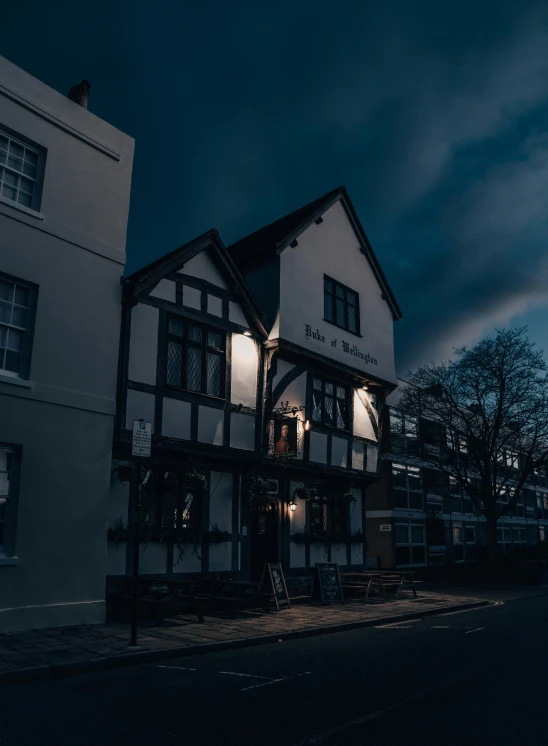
(348, 347)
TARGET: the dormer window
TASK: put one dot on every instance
(341, 306)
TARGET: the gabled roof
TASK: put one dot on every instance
(265, 243)
(147, 277)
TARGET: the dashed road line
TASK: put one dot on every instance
(178, 668)
(245, 675)
(276, 681)
(478, 629)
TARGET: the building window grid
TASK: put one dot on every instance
(14, 324)
(407, 484)
(195, 357)
(18, 171)
(330, 403)
(341, 306)
(464, 541)
(5, 483)
(410, 543)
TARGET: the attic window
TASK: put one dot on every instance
(341, 306)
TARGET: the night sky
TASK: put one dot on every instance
(432, 114)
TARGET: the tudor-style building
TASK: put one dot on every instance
(277, 407)
(190, 364)
(329, 362)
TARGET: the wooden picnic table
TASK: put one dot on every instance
(238, 594)
(366, 580)
(168, 592)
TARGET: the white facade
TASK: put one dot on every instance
(332, 248)
(67, 252)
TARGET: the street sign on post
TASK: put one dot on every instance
(141, 442)
(142, 438)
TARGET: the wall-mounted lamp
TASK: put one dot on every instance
(292, 506)
(365, 388)
(307, 425)
(247, 334)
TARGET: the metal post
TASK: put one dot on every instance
(136, 532)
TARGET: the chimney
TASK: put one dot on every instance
(80, 93)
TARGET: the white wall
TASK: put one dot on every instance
(143, 344)
(86, 189)
(203, 267)
(245, 364)
(332, 248)
(362, 421)
(73, 248)
(220, 500)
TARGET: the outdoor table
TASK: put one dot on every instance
(382, 578)
(175, 585)
(240, 593)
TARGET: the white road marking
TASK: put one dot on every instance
(246, 675)
(178, 668)
(477, 608)
(275, 681)
(393, 626)
(478, 629)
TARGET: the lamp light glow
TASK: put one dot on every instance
(307, 425)
(293, 506)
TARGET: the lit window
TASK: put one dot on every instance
(19, 171)
(195, 357)
(329, 403)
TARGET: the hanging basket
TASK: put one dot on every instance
(302, 494)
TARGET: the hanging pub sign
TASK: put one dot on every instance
(285, 436)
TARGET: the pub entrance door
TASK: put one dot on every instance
(263, 536)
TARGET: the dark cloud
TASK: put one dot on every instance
(432, 114)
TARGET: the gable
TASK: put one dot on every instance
(203, 267)
(333, 248)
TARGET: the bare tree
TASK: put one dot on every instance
(488, 417)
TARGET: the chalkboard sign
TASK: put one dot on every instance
(273, 571)
(329, 583)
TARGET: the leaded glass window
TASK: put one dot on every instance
(195, 357)
(329, 403)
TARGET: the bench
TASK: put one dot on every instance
(234, 593)
(165, 597)
(366, 582)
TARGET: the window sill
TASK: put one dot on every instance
(343, 329)
(5, 561)
(21, 208)
(15, 381)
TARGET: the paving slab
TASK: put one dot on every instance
(65, 650)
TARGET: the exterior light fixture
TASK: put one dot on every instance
(293, 506)
(307, 425)
(365, 388)
(247, 334)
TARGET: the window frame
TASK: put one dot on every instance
(406, 489)
(336, 399)
(333, 294)
(206, 350)
(409, 524)
(28, 335)
(41, 152)
(7, 548)
(159, 519)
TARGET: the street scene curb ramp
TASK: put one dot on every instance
(137, 657)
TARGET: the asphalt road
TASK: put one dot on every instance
(471, 677)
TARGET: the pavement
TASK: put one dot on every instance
(467, 676)
(63, 651)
